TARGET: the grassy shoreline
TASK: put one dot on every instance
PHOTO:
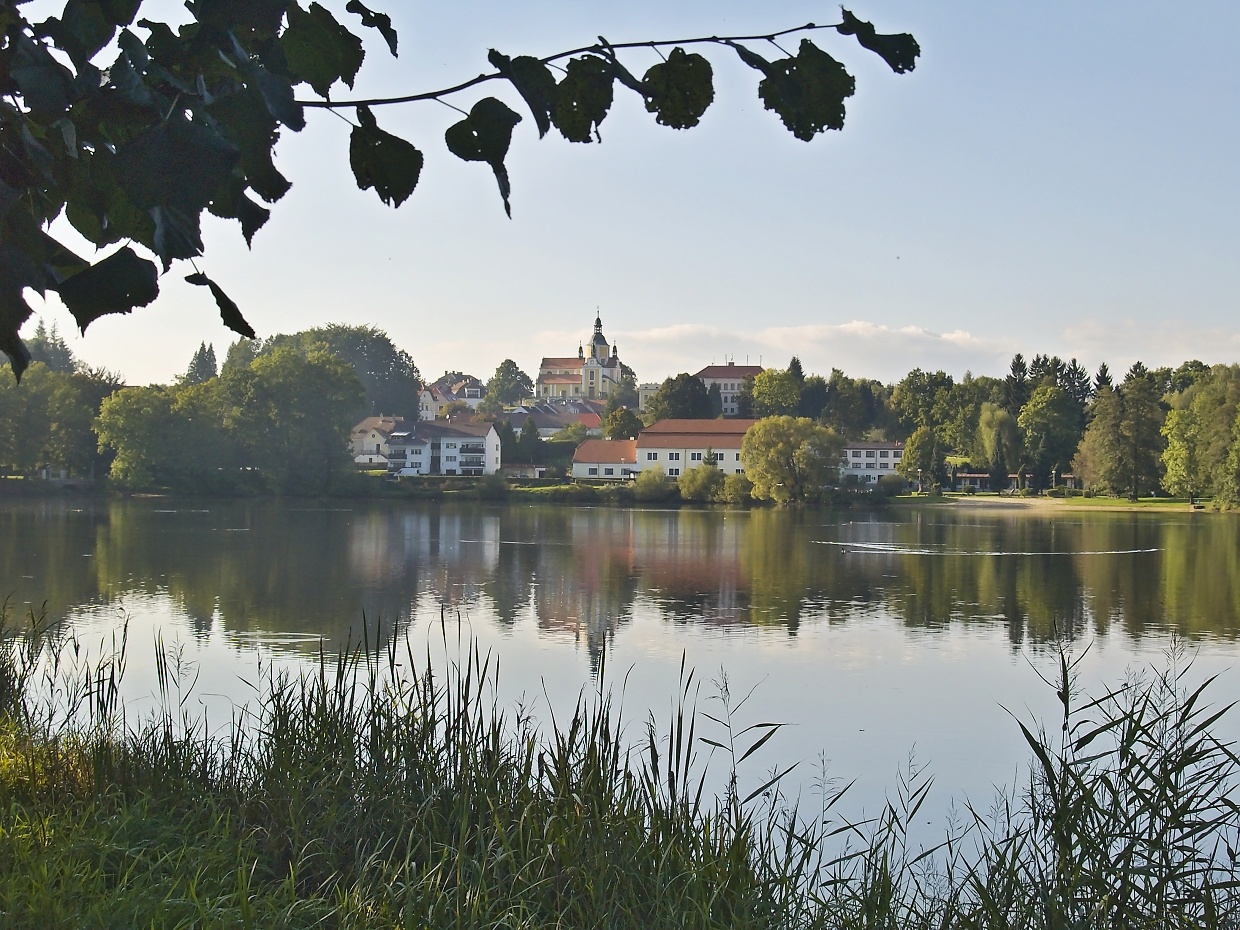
(1051, 504)
(365, 795)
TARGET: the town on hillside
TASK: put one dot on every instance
(292, 414)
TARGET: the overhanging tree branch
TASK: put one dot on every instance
(133, 152)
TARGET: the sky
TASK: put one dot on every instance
(1055, 178)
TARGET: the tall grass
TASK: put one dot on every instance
(364, 795)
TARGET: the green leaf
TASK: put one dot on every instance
(899, 51)
(46, 85)
(383, 161)
(178, 163)
(120, 13)
(380, 21)
(807, 91)
(231, 202)
(261, 16)
(485, 135)
(177, 234)
(17, 272)
(128, 82)
(753, 59)
(533, 81)
(230, 313)
(82, 30)
(680, 89)
(319, 50)
(277, 94)
(14, 311)
(255, 132)
(117, 284)
(8, 197)
(583, 98)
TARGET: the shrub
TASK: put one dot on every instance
(491, 487)
(652, 485)
(736, 489)
(703, 483)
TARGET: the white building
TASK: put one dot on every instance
(606, 459)
(676, 445)
(729, 377)
(866, 462)
(369, 439)
(437, 448)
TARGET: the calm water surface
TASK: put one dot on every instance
(874, 636)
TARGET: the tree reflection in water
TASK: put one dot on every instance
(264, 568)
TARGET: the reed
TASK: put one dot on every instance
(364, 795)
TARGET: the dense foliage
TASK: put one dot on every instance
(280, 425)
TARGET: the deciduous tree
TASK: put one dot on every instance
(790, 459)
(1049, 422)
(683, 397)
(776, 393)
(622, 423)
(509, 384)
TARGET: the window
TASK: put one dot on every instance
(883, 454)
(869, 453)
(856, 454)
(673, 472)
(896, 454)
(673, 456)
(449, 458)
(415, 451)
(869, 464)
(738, 456)
(693, 456)
(609, 471)
(450, 445)
(593, 471)
(652, 456)
(884, 464)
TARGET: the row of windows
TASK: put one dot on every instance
(693, 456)
(592, 471)
(882, 454)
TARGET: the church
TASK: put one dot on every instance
(590, 376)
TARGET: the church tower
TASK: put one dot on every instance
(598, 344)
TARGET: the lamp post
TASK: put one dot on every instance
(919, 487)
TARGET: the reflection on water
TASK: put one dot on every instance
(873, 634)
(262, 569)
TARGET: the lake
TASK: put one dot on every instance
(875, 636)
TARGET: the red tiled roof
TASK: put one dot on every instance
(570, 362)
(873, 445)
(722, 372)
(690, 440)
(620, 451)
(722, 427)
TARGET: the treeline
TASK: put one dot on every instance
(275, 418)
(1162, 430)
